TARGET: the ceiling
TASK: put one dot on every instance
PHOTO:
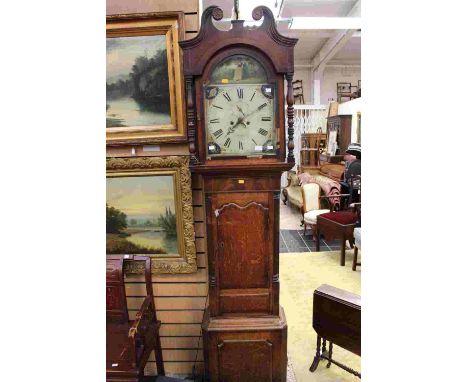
(310, 40)
(315, 8)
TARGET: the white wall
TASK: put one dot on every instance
(304, 74)
(352, 107)
(331, 76)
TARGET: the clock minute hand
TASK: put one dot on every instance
(253, 112)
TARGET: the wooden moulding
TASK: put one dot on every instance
(178, 167)
(245, 349)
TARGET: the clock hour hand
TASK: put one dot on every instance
(240, 120)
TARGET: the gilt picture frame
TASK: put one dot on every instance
(149, 212)
(144, 86)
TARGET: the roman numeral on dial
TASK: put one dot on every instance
(226, 95)
(216, 120)
(241, 146)
(266, 118)
(262, 106)
(263, 132)
(218, 133)
(227, 143)
(253, 95)
(240, 92)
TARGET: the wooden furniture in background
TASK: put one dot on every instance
(129, 343)
(341, 124)
(336, 318)
(312, 145)
(333, 171)
(346, 90)
(338, 225)
(244, 328)
(298, 91)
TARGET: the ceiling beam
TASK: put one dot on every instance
(335, 43)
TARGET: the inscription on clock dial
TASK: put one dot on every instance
(240, 120)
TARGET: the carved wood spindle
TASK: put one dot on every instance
(290, 115)
(191, 118)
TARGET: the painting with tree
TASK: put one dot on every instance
(137, 82)
(144, 100)
(140, 215)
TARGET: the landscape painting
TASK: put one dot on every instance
(137, 81)
(140, 215)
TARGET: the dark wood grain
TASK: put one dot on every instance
(244, 332)
(129, 343)
(342, 125)
(336, 318)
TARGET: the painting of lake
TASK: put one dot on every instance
(137, 81)
(140, 215)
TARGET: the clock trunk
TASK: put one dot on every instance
(244, 328)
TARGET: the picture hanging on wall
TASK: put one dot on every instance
(149, 212)
(144, 94)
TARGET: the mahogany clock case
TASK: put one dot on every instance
(242, 221)
(210, 47)
(244, 328)
(274, 79)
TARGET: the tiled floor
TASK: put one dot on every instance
(295, 241)
(292, 234)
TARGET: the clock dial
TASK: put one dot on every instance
(240, 120)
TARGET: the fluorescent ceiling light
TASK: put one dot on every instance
(326, 23)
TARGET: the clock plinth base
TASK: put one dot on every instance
(245, 349)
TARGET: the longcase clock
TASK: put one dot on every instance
(235, 86)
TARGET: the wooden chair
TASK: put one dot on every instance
(298, 91)
(345, 90)
(130, 343)
(311, 206)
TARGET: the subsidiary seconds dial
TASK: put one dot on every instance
(240, 120)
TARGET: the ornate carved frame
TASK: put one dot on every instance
(170, 24)
(178, 166)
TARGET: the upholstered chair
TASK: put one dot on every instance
(311, 206)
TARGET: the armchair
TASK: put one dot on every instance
(311, 207)
(130, 343)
